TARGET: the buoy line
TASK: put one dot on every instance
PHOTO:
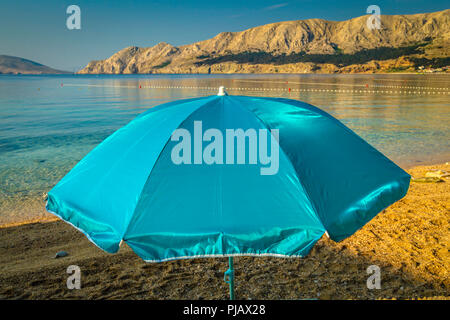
(342, 84)
(367, 90)
(411, 80)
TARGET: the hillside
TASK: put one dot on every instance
(314, 45)
(16, 65)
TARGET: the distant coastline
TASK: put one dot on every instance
(15, 66)
(67, 73)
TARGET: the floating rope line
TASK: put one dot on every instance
(410, 87)
(412, 80)
(415, 92)
(300, 90)
(343, 84)
(96, 85)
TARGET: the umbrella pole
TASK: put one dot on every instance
(229, 277)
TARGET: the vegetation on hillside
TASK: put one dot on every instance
(338, 58)
(431, 63)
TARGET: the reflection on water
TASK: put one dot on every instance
(48, 123)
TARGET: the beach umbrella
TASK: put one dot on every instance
(225, 176)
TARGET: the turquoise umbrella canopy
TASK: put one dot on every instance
(289, 173)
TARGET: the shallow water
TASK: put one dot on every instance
(48, 123)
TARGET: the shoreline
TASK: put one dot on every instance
(408, 241)
(52, 218)
(224, 73)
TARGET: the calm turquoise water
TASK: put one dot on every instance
(48, 123)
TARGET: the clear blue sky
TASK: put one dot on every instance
(37, 30)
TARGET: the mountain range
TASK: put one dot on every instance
(403, 43)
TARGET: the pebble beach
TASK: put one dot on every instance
(409, 242)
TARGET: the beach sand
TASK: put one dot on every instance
(409, 241)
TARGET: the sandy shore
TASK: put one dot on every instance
(409, 241)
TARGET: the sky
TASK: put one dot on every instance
(37, 30)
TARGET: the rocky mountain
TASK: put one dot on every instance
(313, 45)
(16, 65)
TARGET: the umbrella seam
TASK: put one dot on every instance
(329, 117)
(117, 162)
(313, 108)
(156, 161)
(296, 174)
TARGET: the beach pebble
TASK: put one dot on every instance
(61, 254)
(437, 174)
(427, 179)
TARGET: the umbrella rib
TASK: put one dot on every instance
(296, 174)
(220, 189)
(156, 161)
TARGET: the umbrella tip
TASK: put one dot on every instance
(222, 91)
